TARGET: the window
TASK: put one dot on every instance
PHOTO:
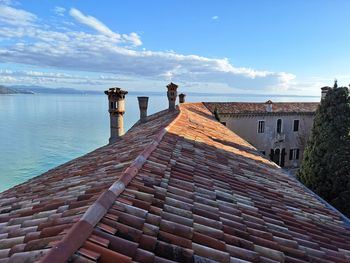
(296, 125)
(112, 105)
(276, 157)
(261, 126)
(279, 125)
(262, 152)
(223, 123)
(283, 155)
(294, 154)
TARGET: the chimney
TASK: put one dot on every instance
(268, 106)
(324, 91)
(116, 99)
(182, 98)
(143, 104)
(172, 94)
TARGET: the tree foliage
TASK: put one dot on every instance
(216, 114)
(326, 165)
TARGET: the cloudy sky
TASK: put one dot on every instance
(294, 47)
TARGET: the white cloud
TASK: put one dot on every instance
(215, 17)
(108, 52)
(94, 23)
(58, 10)
(15, 17)
(7, 2)
(35, 77)
(133, 38)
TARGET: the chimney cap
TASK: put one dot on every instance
(172, 85)
(326, 88)
(116, 90)
(268, 102)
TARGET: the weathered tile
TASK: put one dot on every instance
(199, 193)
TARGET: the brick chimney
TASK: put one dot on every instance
(268, 106)
(182, 98)
(324, 91)
(143, 104)
(116, 99)
(172, 94)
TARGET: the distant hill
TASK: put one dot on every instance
(45, 90)
(10, 90)
(5, 90)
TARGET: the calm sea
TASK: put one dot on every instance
(39, 132)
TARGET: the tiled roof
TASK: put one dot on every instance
(261, 108)
(190, 190)
(34, 214)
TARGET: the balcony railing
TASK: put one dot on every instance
(280, 137)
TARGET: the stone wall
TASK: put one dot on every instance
(246, 126)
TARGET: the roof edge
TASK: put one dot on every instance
(83, 228)
(343, 217)
(260, 113)
(256, 113)
(254, 102)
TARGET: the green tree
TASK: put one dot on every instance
(326, 165)
(216, 114)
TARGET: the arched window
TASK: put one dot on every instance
(279, 125)
(278, 156)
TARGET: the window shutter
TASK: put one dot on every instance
(262, 127)
(290, 154)
(297, 157)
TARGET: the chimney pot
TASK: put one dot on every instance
(143, 104)
(116, 99)
(182, 98)
(172, 95)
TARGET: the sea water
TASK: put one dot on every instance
(39, 132)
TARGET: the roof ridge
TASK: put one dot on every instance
(82, 229)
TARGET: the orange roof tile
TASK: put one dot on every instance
(178, 188)
(261, 108)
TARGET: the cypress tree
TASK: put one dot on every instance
(326, 165)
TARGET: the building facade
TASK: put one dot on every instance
(278, 130)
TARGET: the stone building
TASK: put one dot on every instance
(278, 130)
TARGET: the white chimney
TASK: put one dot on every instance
(268, 106)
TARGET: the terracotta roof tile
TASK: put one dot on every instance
(260, 108)
(178, 188)
(174, 239)
(242, 253)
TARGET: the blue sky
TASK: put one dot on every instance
(283, 47)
